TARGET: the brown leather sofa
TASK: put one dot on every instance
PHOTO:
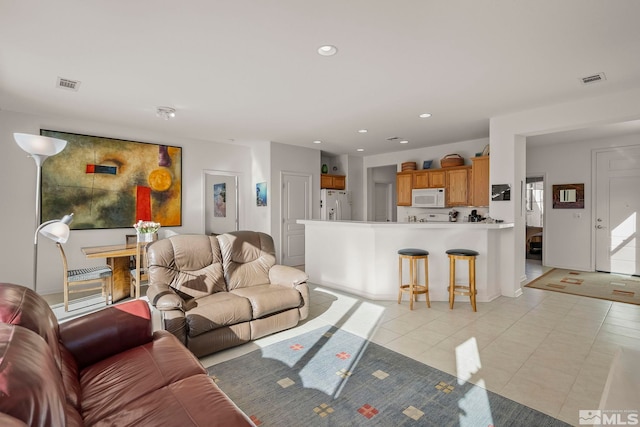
(216, 292)
(102, 369)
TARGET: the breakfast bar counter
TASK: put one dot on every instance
(362, 257)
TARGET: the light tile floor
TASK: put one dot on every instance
(547, 350)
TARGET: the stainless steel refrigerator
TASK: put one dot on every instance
(335, 205)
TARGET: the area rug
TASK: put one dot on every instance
(607, 286)
(334, 378)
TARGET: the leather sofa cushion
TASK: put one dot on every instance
(22, 306)
(247, 257)
(30, 384)
(217, 310)
(196, 399)
(269, 299)
(191, 264)
(110, 384)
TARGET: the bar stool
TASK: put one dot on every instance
(470, 290)
(413, 288)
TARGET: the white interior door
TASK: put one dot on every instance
(618, 211)
(296, 204)
(382, 200)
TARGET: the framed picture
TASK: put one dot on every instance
(112, 183)
(500, 192)
(261, 194)
(220, 200)
(568, 196)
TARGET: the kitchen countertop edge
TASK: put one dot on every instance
(475, 225)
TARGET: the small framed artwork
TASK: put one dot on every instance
(261, 194)
(568, 196)
(500, 192)
(220, 200)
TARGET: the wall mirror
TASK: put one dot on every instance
(222, 207)
(568, 196)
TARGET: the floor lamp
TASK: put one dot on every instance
(39, 148)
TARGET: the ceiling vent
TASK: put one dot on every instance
(393, 138)
(593, 79)
(67, 84)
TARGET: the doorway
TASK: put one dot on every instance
(534, 225)
(617, 210)
(381, 184)
(221, 202)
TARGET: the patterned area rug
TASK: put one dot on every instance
(333, 378)
(607, 286)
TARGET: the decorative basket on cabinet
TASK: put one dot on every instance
(451, 160)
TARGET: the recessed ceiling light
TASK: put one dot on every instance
(317, 141)
(363, 131)
(327, 50)
(404, 142)
(425, 115)
(360, 149)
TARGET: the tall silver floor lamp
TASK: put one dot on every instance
(39, 149)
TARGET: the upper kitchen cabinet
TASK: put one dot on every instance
(333, 182)
(458, 186)
(480, 181)
(429, 179)
(404, 183)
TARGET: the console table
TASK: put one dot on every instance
(117, 257)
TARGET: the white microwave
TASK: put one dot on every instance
(427, 198)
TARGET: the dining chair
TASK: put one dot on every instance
(139, 274)
(75, 280)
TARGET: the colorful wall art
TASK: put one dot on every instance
(220, 200)
(261, 194)
(112, 183)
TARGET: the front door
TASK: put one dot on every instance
(617, 221)
(296, 204)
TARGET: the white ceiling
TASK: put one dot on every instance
(248, 70)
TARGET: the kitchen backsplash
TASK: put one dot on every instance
(423, 213)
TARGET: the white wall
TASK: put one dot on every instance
(568, 239)
(17, 220)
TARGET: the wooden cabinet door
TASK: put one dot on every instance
(458, 187)
(404, 181)
(437, 179)
(339, 182)
(326, 181)
(421, 179)
(480, 181)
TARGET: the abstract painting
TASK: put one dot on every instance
(112, 183)
(261, 194)
(220, 200)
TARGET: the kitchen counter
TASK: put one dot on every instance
(361, 257)
(427, 224)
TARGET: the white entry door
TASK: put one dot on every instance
(296, 204)
(617, 221)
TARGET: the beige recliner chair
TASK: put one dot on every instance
(218, 292)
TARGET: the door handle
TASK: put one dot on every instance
(599, 227)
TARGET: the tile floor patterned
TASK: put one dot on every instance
(547, 350)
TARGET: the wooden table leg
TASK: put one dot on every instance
(121, 277)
